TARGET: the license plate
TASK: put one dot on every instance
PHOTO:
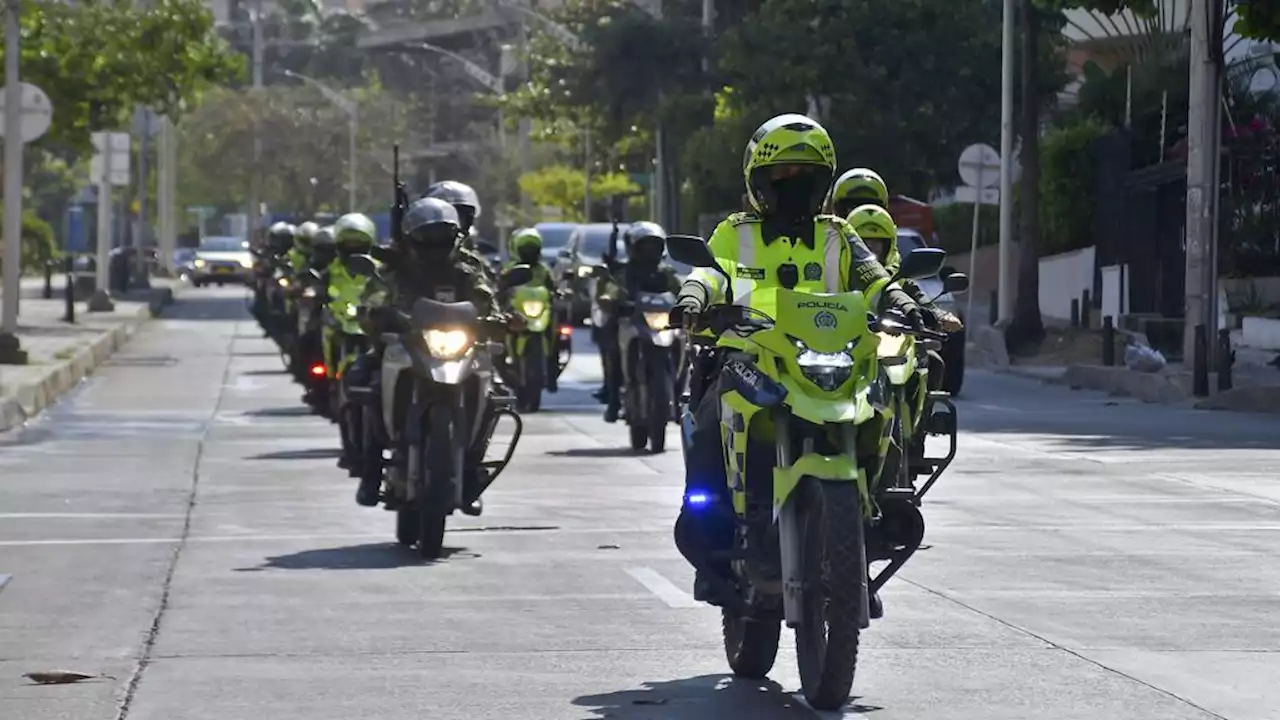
(223, 270)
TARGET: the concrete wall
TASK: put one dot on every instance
(1062, 278)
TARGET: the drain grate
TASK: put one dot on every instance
(143, 361)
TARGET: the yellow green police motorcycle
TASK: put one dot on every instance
(916, 410)
(808, 511)
(528, 344)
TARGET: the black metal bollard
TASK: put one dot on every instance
(1225, 359)
(1108, 342)
(1200, 367)
(994, 310)
(1075, 312)
(1086, 311)
(48, 280)
(69, 292)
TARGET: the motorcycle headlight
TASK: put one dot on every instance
(283, 282)
(352, 310)
(199, 263)
(657, 321)
(826, 370)
(532, 308)
(447, 344)
(246, 263)
(309, 292)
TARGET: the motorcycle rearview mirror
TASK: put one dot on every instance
(922, 263)
(381, 254)
(693, 250)
(955, 282)
(360, 265)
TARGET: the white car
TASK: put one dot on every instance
(222, 259)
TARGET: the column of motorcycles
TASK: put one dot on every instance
(808, 517)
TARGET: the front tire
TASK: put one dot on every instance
(532, 375)
(439, 469)
(750, 646)
(660, 387)
(833, 560)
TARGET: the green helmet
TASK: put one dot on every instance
(306, 232)
(858, 187)
(877, 229)
(792, 140)
(526, 245)
(355, 232)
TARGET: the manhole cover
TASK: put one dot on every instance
(143, 361)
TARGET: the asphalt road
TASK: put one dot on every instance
(178, 524)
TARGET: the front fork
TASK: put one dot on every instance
(791, 530)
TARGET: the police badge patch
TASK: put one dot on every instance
(813, 271)
(824, 320)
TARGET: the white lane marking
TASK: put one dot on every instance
(4, 580)
(88, 516)
(666, 590)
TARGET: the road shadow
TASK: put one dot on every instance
(601, 452)
(308, 454)
(700, 698)
(373, 556)
(256, 373)
(289, 411)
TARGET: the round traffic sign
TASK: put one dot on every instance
(980, 166)
(37, 112)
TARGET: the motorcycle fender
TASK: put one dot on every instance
(449, 372)
(899, 374)
(538, 324)
(664, 338)
(792, 565)
(843, 468)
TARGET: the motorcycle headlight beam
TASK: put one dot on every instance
(826, 370)
(352, 310)
(447, 344)
(657, 321)
(533, 308)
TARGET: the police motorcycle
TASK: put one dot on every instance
(344, 341)
(652, 354)
(529, 346)
(807, 514)
(914, 366)
(438, 403)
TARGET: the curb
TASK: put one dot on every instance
(31, 399)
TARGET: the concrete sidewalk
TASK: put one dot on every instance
(60, 354)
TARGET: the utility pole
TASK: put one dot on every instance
(255, 177)
(1202, 159)
(10, 346)
(1004, 294)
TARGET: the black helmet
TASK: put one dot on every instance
(461, 196)
(648, 241)
(431, 222)
(280, 237)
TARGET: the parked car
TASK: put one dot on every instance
(572, 269)
(953, 349)
(222, 259)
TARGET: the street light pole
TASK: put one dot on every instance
(10, 348)
(353, 128)
(255, 181)
(1004, 293)
(1202, 157)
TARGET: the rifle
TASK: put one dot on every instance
(401, 202)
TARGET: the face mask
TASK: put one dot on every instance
(795, 196)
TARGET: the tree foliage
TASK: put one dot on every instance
(97, 60)
(565, 188)
(304, 147)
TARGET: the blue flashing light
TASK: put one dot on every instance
(697, 500)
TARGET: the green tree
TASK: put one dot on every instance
(97, 60)
(563, 187)
(305, 138)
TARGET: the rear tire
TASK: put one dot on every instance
(750, 646)
(953, 355)
(533, 374)
(834, 559)
(639, 432)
